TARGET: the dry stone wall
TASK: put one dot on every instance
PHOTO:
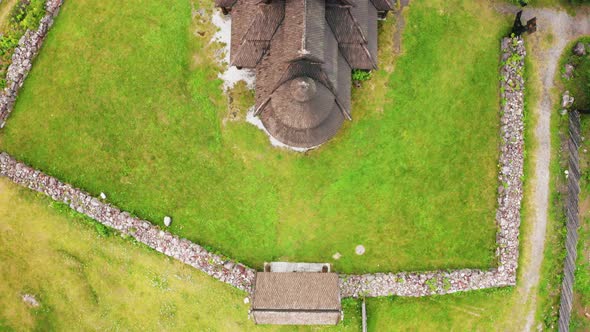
(143, 231)
(507, 215)
(242, 277)
(22, 59)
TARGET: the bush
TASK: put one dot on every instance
(25, 15)
(579, 84)
(361, 75)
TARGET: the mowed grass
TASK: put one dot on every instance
(87, 282)
(124, 99)
(489, 310)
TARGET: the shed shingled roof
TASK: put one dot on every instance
(296, 291)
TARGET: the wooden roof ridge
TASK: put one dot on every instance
(382, 5)
(340, 3)
(340, 26)
(304, 34)
(306, 68)
(256, 41)
(313, 26)
(366, 42)
(369, 55)
(357, 26)
(350, 37)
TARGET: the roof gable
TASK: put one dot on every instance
(256, 40)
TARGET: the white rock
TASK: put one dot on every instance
(167, 221)
(103, 196)
(30, 300)
(246, 300)
(360, 249)
(336, 256)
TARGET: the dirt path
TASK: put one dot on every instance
(400, 24)
(5, 9)
(545, 52)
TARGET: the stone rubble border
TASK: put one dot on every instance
(22, 59)
(411, 284)
(143, 231)
(511, 164)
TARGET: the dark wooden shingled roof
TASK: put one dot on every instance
(256, 41)
(383, 5)
(296, 298)
(304, 48)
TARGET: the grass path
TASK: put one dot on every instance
(566, 29)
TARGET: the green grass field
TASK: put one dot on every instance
(85, 281)
(88, 282)
(124, 99)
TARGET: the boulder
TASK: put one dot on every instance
(580, 49)
(360, 249)
(568, 72)
(30, 300)
(567, 100)
(167, 221)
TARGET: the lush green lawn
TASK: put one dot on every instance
(579, 84)
(87, 282)
(476, 311)
(124, 99)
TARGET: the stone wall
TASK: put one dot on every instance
(242, 277)
(507, 216)
(143, 231)
(22, 59)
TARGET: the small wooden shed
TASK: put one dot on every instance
(296, 298)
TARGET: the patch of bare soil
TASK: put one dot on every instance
(400, 24)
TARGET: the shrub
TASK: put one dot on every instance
(361, 75)
(26, 15)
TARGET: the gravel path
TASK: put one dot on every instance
(564, 29)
